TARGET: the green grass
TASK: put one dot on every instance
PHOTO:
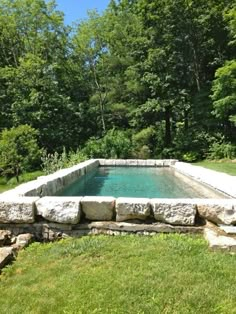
(12, 183)
(123, 274)
(228, 167)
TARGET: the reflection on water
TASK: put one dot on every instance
(138, 182)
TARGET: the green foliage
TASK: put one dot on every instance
(115, 144)
(53, 162)
(157, 271)
(224, 90)
(19, 150)
(191, 157)
(222, 151)
(141, 64)
(144, 142)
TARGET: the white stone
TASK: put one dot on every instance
(6, 255)
(175, 212)
(141, 162)
(132, 162)
(98, 207)
(228, 229)
(121, 162)
(132, 208)
(32, 188)
(218, 180)
(107, 162)
(151, 162)
(169, 162)
(218, 211)
(159, 163)
(17, 209)
(23, 240)
(65, 210)
(219, 242)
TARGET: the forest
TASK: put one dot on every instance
(146, 79)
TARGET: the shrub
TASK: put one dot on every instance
(115, 144)
(56, 161)
(222, 151)
(190, 156)
(19, 151)
(143, 142)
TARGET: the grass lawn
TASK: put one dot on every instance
(12, 183)
(122, 274)
(228, 167)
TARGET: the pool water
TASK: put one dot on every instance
(145, 182)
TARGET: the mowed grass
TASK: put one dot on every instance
(228, 167)
(122, 274)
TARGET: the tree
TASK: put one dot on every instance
(36, 71)
(224, 85)
(19, 151)
(90, 44)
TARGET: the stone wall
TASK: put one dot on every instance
(73, 210)
(219, 181)
(34, 205)
(53, 183)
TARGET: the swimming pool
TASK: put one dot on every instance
(142, 182)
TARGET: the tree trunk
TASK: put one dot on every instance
(167, 126)
(186, 124)
(17, 172)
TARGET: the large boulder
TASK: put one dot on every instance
(132, 208)
(98, 207)
(17, 209)
(174, 212)
(218, 211)
(65, 210)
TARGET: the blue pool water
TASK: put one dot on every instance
(145, 182)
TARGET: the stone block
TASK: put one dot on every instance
(6, 256)
(218, 211)
(141, 162)
(151, 162)
(219, 242)
(17, 210)
(108, 162)
(91, 165)
(134, 228)
(228, 229)
(175, 212)
(132, 208)
(132, 162)
(23, 240)
(159, 163)
(98, 208)
(121, 162)
(32, 188)
(65, 210)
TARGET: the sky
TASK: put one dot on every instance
(77, 9)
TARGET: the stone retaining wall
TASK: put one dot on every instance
(70, 210)
(32, 203)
